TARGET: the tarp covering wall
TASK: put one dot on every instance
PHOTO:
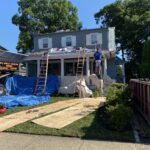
(21, 91)
(20, 85)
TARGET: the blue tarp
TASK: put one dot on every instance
(29, 100)
(21, 90)
(20, 85)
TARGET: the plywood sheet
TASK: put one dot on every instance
(65, 117)
(20, 117)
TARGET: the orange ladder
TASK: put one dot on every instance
(40, 87)
(80, 68)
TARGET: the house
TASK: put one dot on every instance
(9, 61)
(2, 49)
(64, 48)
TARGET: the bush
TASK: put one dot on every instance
(96, 93)
(118, 93)
(119, 116)
(114, 93)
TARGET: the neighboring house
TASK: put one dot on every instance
(9, 61)
(64, 49)
(2, 49)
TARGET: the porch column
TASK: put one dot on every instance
(87, 69)
(105, 67)
(62, 68)
(38, 67)
(92, 67)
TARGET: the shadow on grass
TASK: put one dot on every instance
(99, 130)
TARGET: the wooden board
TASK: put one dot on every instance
(65, 117)
(23, 116)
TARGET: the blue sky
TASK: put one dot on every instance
(9, 32)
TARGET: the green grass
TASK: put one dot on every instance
(21, 108)
(86, 128)
(89, 127)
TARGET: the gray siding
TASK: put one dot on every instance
(111, 68)
(80, 38)
(32, 68)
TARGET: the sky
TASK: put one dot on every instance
(9, 33)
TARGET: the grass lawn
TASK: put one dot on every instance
(90, 127)
(21, 108)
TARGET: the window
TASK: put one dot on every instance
(93, 39)
(69, 69)
(68, 41)
(45, 43)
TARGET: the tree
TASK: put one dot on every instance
(145, 64)
(43, 16)
(131, 19)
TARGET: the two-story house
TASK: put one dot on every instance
(64, 47)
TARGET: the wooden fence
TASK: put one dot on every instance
(141, 96)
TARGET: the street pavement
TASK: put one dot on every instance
(13, 141)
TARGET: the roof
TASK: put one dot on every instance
(67, 54)
(2, 49)
(11, 57)
(71, 31)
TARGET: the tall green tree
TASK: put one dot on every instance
(131, 19)
(43, 16)
(145, 64)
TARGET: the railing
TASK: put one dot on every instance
(141, 96)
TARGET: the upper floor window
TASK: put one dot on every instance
(68, 41)
(94, 39)
(45, 43)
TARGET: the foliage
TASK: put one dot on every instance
(43, 16)
(119, 71)
(145, 64)
(119, 116)
(96, 93)
(131, 19)
(114, 93)
(118, 109)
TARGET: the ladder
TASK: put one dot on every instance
(40, 87)
(80, 67)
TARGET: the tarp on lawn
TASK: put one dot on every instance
(21, 91)
(28, 100)
(20, 85)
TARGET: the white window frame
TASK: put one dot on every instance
(93, 39)
(68, 41)
(45, 43)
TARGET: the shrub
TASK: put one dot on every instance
(119, 116)
(118, 93)
(96, 93)
(114, 93)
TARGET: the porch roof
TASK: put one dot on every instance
(67, 54)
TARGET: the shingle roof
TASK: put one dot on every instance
(11, 57)
(2, 48)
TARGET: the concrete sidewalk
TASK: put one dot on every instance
(12, 141)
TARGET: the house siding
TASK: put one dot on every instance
(80, 38)
(111, 68)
